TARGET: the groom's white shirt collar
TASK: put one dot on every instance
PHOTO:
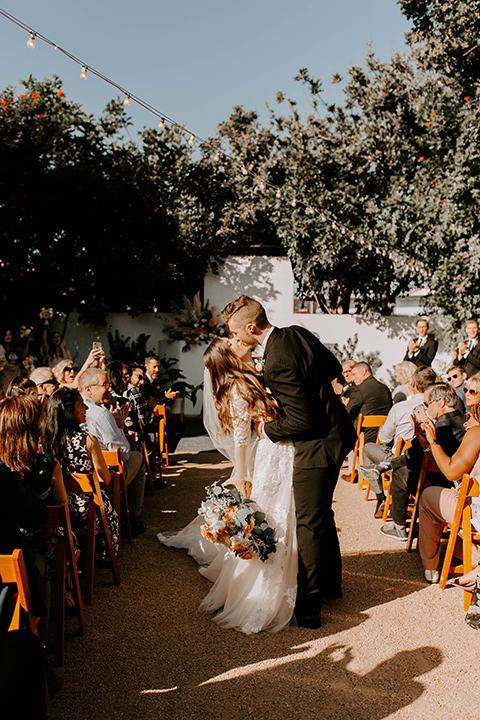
(263, 344)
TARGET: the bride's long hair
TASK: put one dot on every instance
(226, 370)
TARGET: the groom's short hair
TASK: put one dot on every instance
(247, 310)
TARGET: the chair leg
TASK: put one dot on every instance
(149, 469)
(90, 554)
(388, 502)
(77, 595)
(412, 531)
(59, 618)
(354, 470)
(126, 508)
(110, 550)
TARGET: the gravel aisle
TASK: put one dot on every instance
(393, 647)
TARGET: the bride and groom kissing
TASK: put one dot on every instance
(304, 434)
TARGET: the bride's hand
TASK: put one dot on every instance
(243, 486)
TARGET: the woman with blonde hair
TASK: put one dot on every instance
(252, 595)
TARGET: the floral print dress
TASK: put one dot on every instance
(78, 461)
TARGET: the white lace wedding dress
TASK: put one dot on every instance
(252, 595)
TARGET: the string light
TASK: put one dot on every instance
(126, 102)
(216, 157)
(191, 140)
(83, 74)
(161, 124)
(278, 194)
(31, 41)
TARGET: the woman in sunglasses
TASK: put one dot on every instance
(472, 392)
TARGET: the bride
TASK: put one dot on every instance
(252, 595)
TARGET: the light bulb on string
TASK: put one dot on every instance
(83, 74)
(31, 41)
(278, 194)
(245, 171)
(216, 157)
(294, 202)
(161, 124)
(126, 102)
(323, 218)
(191, 140)
(262, 186)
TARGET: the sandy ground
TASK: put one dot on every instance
(393, 647)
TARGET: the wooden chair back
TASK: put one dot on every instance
(114, 461)
(364, 421)
(65, 571)
(96, 510)
(428, 466)
(401, 447)
(161, 412)
(461, 527)
(12, 570)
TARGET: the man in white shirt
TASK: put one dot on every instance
(397, 425)
(108, 426)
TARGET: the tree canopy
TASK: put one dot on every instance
(370, 197)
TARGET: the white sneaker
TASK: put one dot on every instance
(432, 576)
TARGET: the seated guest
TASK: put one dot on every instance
(65, 373)
(108, 426)
(441, 405)
(24, 491)
(404, 373)
(397, 425)
(151, 389)
(349, 388)
(472, 392)
(45, 380)
(119, 376)
(467, 354)
(77, 452)
(422, 349)
(21, 386)
(140, 409)
(153, 393)
(9, 357)
(457, 377)
(437, 504)
(372, 398)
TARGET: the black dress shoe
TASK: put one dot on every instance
(138, 526)
(309, 622)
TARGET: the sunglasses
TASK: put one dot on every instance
(453, 377)
(73, 368)
(469, 391)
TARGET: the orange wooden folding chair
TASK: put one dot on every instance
(364, 421)
(65, 570)
(89, 484)
(461, 527)
(401, 447)
(12, 570)
(114, 461)
(428, 466)
(146, 455)
(161, 413)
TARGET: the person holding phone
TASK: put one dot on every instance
(437, 504)
(440, 406)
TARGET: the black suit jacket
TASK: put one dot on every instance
(299, 371)
(471, 363)
(427, 353)
(373, 398)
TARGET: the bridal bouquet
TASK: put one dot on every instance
(233, 520)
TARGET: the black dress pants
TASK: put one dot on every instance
(319, 560)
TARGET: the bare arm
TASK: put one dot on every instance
(58, 494)
(96, 456)
(463, 460)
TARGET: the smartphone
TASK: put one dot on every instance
(97, 346)
(420, 414)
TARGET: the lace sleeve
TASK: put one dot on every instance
(241, 419)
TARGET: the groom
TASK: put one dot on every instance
(299, 371)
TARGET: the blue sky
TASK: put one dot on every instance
(194, 60)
